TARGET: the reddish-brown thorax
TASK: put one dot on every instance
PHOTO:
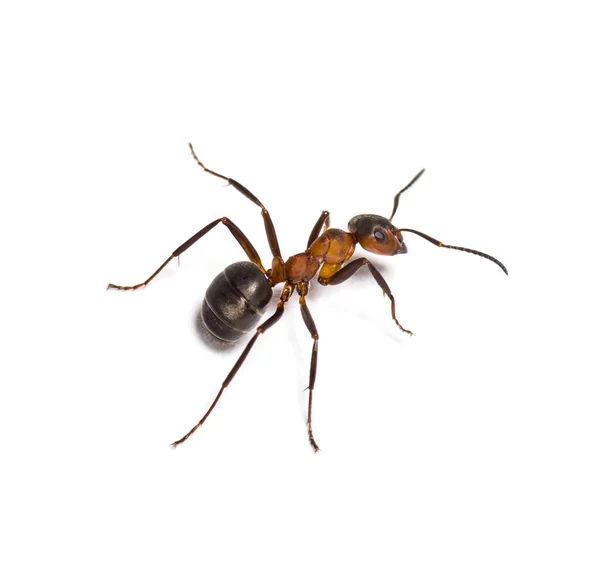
(328, 252)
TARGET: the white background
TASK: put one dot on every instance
(475, 442)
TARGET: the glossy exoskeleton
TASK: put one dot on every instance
(237, 298)
(235, 301)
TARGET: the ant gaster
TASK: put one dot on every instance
(238, 296)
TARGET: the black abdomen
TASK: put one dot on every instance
(235, 301)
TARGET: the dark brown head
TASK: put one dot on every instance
(377, 234)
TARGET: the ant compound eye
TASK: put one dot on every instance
(379, 236)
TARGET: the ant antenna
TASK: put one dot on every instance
(397, 197)
(469, 250)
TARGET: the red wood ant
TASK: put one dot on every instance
(238, 296)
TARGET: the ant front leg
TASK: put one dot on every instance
(350, 269)
(323, 222)
(310, 325)
(285, 295)
(235, 231)
(269, 227)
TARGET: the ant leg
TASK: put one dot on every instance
(269, 227)
(310, 325)
(350, 269)
(235, 231)
(285, 295)
(323, 222)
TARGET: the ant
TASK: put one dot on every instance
(237, 298)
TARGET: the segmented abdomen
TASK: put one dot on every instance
(235, 301)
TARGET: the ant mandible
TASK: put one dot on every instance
(239, 295)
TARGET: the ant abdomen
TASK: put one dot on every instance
(235, 301)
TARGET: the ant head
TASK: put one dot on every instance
(377, 234)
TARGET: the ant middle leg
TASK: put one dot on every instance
(310, 325)
(235, 231)
(350, 269)
(285, 295)
(269, 227)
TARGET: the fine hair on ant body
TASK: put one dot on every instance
(238, 296)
